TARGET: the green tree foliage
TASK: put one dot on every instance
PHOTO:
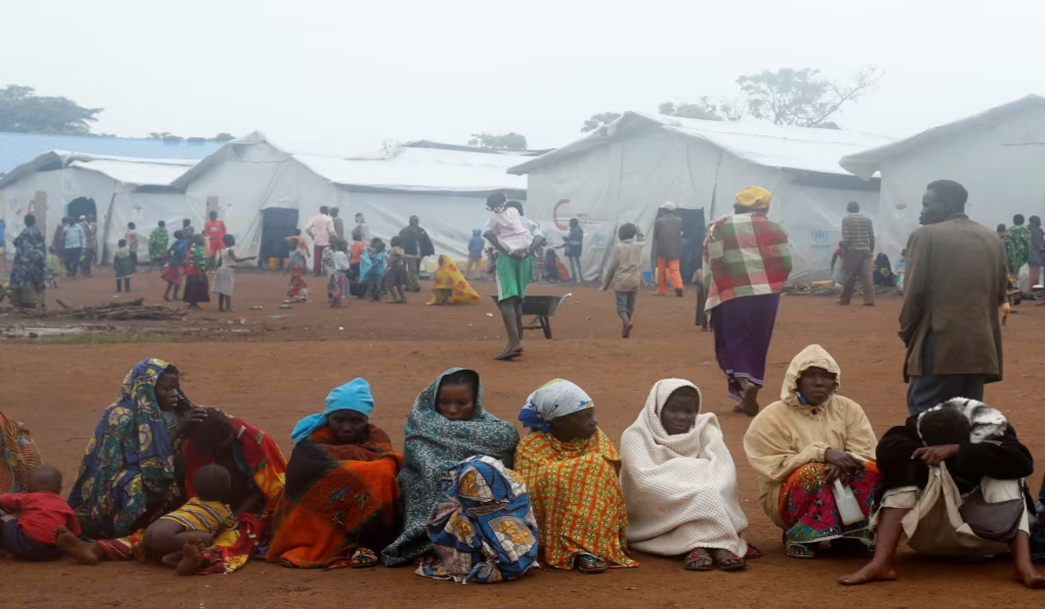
(223, 137)
(23, 111)
(599, 121)
(507, 141)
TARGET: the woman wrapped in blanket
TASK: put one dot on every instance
(800, 445)
(447, 425)
(570, 468)
(127, 479)
(681, 484)
(341, 504)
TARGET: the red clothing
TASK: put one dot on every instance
(215, 230)
(39, 514)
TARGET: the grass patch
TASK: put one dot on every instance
(107, 339)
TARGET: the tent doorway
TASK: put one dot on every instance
(277, 224)
(693, 226)
(82, 206)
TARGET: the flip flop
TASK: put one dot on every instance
(753, 552)
(590, 565)
(507, 356)
(799, 550)
(698, 560)
(728, 561)
(363, 558)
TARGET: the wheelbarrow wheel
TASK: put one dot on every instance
(546, 326)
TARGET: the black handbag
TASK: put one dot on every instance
(992, 521)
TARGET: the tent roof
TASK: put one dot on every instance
(19, 148)
(866, 163)
(801, 148)
(412, 167)
(133, 171)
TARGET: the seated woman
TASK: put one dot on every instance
(127, 478)
(680, 482)
(482, 526)
(18, 455)
(257, 472)
(446, 426)
(800, 445)
(341, 503)
(570, 468)
(450, 287)
(952, 485)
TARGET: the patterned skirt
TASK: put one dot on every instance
(807, 504)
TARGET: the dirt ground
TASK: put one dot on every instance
(272, 371)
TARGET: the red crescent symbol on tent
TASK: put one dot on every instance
(555, 214)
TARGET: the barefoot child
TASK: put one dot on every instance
(176, 538)
(624, 273)
(395, 279)
(224, 278)
(123, 263)
(175, 265)
(39, 525)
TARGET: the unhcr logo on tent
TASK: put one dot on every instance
(819, 238)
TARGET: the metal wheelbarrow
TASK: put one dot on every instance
(542, 308)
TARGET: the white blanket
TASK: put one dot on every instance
(681, 490)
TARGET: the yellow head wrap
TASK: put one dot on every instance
(754, 197)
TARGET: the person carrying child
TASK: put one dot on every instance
(372, 265)
(624, 273)
(123, 263)
(175, 265)
(225, 277)
(337, 282)
(53, 264)
(177, 539)
(396, 277)
(42, 526)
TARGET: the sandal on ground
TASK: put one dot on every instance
(363, 558)
(727, 561)
(590, 565)
(753, 552)
(800, 550)
(698, 560)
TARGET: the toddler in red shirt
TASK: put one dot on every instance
(40, 525)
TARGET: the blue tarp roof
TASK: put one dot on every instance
(19, 148)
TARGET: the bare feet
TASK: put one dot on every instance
(74, 546)
(871, 573)
(509, 354)
(627, 331)
(139, 553)
(191, 559)
(98, 552)
(1029, 576)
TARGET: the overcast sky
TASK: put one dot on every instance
(330, 76)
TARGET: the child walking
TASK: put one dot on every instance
(54, 267)
(225, 277)
(131, 236)
(174, 269)
(39, 525)
(475, 255)
(337, 278)
(123, 263)
(196, 288)
(372, 266)
(158, 245)
(297, 289)
(395, 279)
(624, 274)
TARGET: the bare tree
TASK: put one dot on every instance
(803, 97)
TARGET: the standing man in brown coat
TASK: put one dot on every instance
(857, 251)
(667, 248)
(954, 283)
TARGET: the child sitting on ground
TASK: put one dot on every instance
(395, 278)
(624, 273)
(177, 538)
(123, 263)
(54, 267)
(39, 525)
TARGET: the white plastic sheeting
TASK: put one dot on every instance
(998, 155)
(626, 174)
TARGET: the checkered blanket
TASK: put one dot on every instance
(745, 255)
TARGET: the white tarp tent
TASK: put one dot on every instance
(626, 171)
(123, 190)
(253, 183)
(998, 155)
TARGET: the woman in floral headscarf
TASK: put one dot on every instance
(18, 455)
(570, 468)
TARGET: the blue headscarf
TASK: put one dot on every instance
(354, 395)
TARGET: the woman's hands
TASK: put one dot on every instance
(193, 416)
(840, 465)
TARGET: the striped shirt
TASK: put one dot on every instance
(857, 233)
(199, 515)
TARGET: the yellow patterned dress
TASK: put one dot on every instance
(576, 498)
(450, 287)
